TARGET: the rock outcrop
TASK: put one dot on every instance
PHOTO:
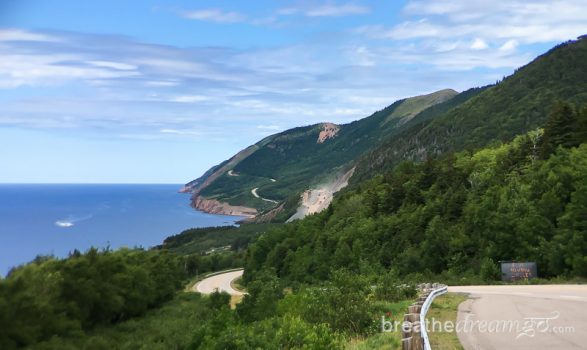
(213, 206)
(330, 130)
(317, 199)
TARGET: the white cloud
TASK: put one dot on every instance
(50, 69)
(113, 65)
(333, 10)
(141, 137)
(325, 10)
(138, 90)
(465, 34)
(509, 45)
(215, 15)
(189, 132)
(156, 83)
(479, 44)
(190, 99)
(23, 35)
(269, 127)
(527, 21)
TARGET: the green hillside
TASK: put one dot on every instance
(454, 216)
(516, 105)
(281, 166)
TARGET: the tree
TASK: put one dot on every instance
(219, 300)
(560, 128)
(261, 301)
(581, 132)
(489, 271)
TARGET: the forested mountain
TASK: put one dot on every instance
(282, 166)
(456, 215)
(513, 106)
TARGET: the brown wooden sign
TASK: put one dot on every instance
(514, 271)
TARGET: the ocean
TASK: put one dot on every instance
(56, 219)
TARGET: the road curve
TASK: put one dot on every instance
(542, 317)
(256, 195)
(220, 282)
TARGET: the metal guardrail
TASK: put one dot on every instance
(433, 294)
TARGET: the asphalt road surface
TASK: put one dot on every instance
(219, 282)
(523, 317)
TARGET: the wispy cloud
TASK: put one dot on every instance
(19, 69)
(215, 15)
(23, 35)
(133, 89)
(190, 98)
(527, 21)
(326, 10)
(333, 10)
(479, 44)
(181, 132)
(113, 65)
(464, 34)
(269, 127)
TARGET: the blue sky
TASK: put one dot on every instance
(159, 91)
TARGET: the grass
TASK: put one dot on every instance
(236, 285)
(379, 341)
(235, 299)
(383, 340)
(444, 308)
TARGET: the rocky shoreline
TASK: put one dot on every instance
(213, 206)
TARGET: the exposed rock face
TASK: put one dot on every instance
(317, 199)
(212, 206)
(185, 189)
(330, 130)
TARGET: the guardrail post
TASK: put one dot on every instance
(439, 290)
(414, 334)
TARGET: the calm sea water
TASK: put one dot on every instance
(55, 219)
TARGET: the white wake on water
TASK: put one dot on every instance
(63, 223)
(71, 220)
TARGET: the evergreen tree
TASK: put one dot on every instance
(581, 131)
(560, 129)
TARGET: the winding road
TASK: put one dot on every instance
(221, 282)
(542, 317)
(496, 317)
(254, 192)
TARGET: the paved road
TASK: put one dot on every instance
(543, 317)
(254, 192)
(219, 282)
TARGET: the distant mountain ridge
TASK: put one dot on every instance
(281, 167)
(301, 163)
(516, 105)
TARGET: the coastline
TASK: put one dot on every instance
(92, 215)
(213, 206)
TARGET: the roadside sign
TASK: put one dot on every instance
(512, 271)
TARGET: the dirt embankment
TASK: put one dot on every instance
(213, 206)
(317, 199)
